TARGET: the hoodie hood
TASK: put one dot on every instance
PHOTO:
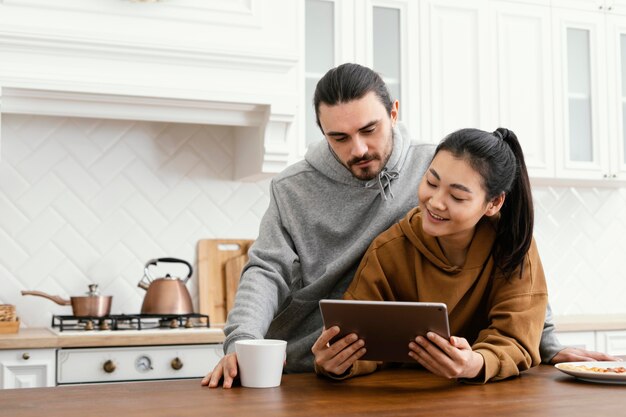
(320, 157)
(478, 251)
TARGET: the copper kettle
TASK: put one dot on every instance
(167, 295)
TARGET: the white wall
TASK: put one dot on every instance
(84, 200)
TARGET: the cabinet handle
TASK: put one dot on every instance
(176, 363)
(109, 366)
(26, 356)
(614, 176)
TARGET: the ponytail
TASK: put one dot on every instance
(515, 228)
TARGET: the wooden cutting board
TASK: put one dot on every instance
(220, 262)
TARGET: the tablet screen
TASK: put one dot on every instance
(387, 327)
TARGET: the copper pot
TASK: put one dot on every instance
(167, 295)
(91, 305)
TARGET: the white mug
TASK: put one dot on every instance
(260, 362)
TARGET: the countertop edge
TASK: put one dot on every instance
(582, 323)
(43, 338)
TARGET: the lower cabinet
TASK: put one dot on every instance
(612, 342)
(582, 340)
(27, 368)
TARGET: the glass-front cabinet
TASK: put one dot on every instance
(374, 33)
(590, 94)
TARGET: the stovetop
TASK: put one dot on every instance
(126, 322)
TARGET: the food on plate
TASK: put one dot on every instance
(618, 370)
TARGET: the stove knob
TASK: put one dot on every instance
(176, 363)
(109, 366)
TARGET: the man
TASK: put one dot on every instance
(323, 214)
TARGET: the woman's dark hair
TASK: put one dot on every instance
(349, 82)
(499, 159)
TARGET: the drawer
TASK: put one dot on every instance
(137, 363)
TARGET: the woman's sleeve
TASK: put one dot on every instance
(363, 287)
(510, 344)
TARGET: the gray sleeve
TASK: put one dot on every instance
(549, 345)
(265, 280)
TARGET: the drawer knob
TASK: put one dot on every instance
(26, 356)
(109, 366)
(176, 363)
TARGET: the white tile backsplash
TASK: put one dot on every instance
(85, 200)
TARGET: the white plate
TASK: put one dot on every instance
(591, 376)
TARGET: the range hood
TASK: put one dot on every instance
(217, 63)
(262, 135)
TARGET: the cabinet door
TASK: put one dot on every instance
(616, 77)
(375, 33)
(582, 340)
(612, 342)
(522, 43)
(580, 94)
(391, 48)
(457, 80)
(320, 55)
(27, 368)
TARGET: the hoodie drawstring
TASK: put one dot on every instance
(384, 183)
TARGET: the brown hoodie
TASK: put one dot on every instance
(502, 319)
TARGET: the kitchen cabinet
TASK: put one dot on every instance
(589, 41)
(456, 77)
(522, 59)
(579, 339)
(375, 33)
(612, 342)
(487, 64)
(27, 368)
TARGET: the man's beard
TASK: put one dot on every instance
(368, 173)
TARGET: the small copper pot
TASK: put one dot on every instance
(90, 305)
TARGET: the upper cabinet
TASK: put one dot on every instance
(590, 64)
(553, 71)
(375, 33)
(457, 79)
(522, 60)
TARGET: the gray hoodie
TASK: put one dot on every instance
(320, 221)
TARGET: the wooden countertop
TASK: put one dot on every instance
(45, 338)
(580, 323)
(400, 392)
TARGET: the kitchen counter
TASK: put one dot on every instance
(580, 323)
(395, 392)
(46, 338)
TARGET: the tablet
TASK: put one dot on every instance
(387, 327)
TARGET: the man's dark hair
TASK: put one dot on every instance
(349, 82)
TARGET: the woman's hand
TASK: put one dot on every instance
(450, 359)
(341, 355)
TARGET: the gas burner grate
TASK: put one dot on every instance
(131, 322)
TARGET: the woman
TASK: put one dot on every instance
(469, 244)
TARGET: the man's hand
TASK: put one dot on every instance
(341, 355)
(572, 354)
(227, 368)
(452, 358)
